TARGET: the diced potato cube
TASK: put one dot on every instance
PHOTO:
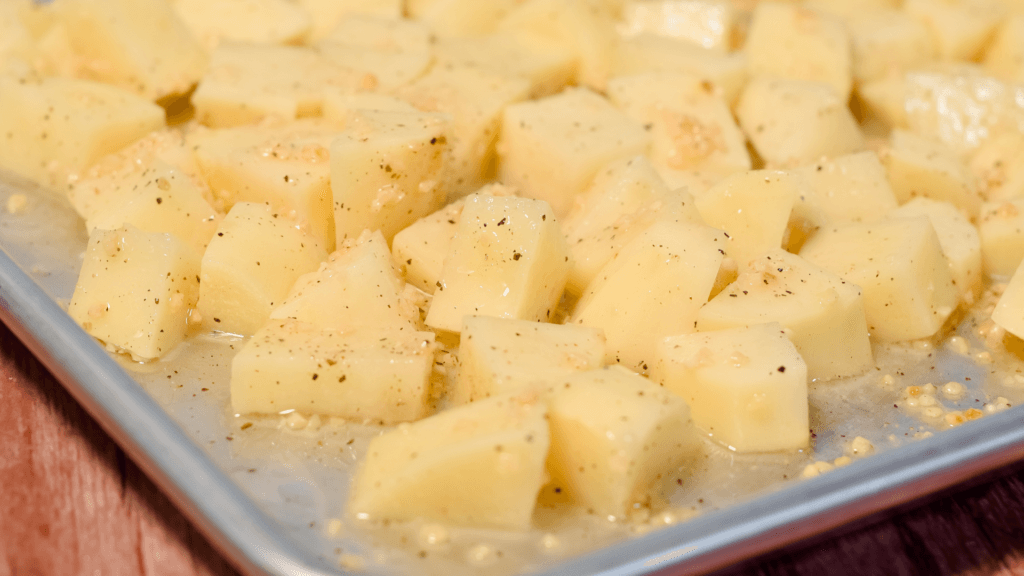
(340, 107)
(1009, 311)
(884, 100)
(709, 24)
(799, 43)
(850, 9)
(474, 99)
(286, 166)
(613, 435)
(499, 356)
(381, 70)
(727, 73)
(822, 313)
(420, 248)
(1004, 57)
(291, 365)
(509, 259)
(959, 241)
(138, 45)
(754, 208)
(899, 265)
(792, 122)
(249, 267)
(920, 167)
(136, 290)
(959, 29)
(255, 21)
(998, 167)
(383, 33)
(546, 64)
(60, 126)
(354, 290)
(747, 387)
(887, 41)
(849, 188)
(386, 171)
(691, 128)
(166, 200)
(1001, 227)
(678, 262)
(449, 18)
(327, 14)
(479, 465)
(551, 148)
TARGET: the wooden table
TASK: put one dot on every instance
(72, 503)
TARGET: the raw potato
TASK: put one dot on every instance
(613, 435)
(705, 23)
(822, 313)
(255, 21)
(499, 356)
(848, 188)
(544, 63)
(479, 465)
(919, 167)
(292, 365)
(1009, 311)
(508, 259)
(747, 387)
(136, 289)
(421, 247)
(1000, 226)
(727, 73)
(249, 267)
(886, 40)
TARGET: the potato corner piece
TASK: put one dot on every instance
(1002, 244)
(249, 267)
(1004, 56)
(799, 43)
(678, 262)
(458, 18)
(387, 170)
(823, 314)
(509, 259)
(251, 21)
(420, 248)
(706, 23)
(958, 238)
(479, 465)
(357, 289)
(327, 14)
(746, 386)
(899, 266)
(546, 64)
(998, 167)
(848, 188)
(884, 40)
(136, 289)
(793, 122)
(138, 45)
(727, 73)
(613, 435)
(918, 166)
(553, 147)
(499, 356)
(373, 376)
(60, 126)
(1009, 310)
(959, 30)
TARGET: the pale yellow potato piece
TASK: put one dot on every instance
(727, 73)
(499, 356)
(136, 290)
(249, 267)
(474, 99)
(545, 63)
(822, 313)
(478, 465)
(380, 33)
(284, 165)
(327, 14)
(138, 45)
(448, 18)
(60, 126)
(291, 365)
(849, 188)
(793, 122)
(850, 9)
(356, 290)
(380, 70)
(420, 248)
(959, 29)
(691, 127)
(1009, 310)
(678, 262)
(553, 147)
(998, 167)
(884, 99)
(256, 21)
(958, 238)
(1004, 57)
(887, 41)
(709, 24)
(509, 259)
(340, 107)
(746, 387)
(614, 434)
(799, 43)
(917, 166)
(899, 265)
(1001, 227)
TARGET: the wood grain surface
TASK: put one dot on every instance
(72, 503)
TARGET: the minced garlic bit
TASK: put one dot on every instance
(550, 543)
(481, 555)
(334, 527)
(953, 390)
(997, 405)
(959, 345)
(294, 421)
(842, 461)
(432, 535)
(933, 412)
(861, 446)
(955, 418)
(983, 357)
(17, 203)
(888, 381)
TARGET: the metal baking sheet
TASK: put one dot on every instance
(271, 495)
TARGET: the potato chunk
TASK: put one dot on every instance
(613, 435)
(727, 73)
(823, 313)
(386, 171)
(917, 166)
(1009, 311)
(551, 148)
(499, 356)
(292, 365)
(249, 267)
(959, 29)
(255, 21)
(508, 259)
(849, 188)
(908, 289)
(1002, 243)
(420, 248)
(886, 40)
(678, 262)
(747, 387)
(136, 289)
(478, 465)
(705, 23)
